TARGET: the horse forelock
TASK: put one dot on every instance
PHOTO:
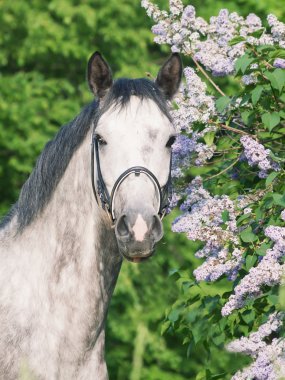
(123, 89)
(54, 159)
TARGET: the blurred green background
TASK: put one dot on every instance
(44, 48)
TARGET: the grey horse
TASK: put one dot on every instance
(95, 196)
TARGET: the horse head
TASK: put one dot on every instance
(131, 152)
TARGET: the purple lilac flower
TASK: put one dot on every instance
(158, 29)
(253, 21)
(181, 154)
(256, 154)
(176, 7)
(202, 220)
(188, 16)
(269, 271)
(249, 79)
(279, 63)
(183, 33)
(205, 153)
(193, 102)
(277, 28)
(268, 354)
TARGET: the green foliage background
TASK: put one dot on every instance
(44, 47)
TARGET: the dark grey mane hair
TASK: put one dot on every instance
(54, 159)
(123, 89)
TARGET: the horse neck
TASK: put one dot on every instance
(70, 248)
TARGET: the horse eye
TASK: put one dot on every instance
(100, 140)
(171, 141)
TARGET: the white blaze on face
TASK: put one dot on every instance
(140, 228)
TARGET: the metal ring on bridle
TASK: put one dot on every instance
(137, 170)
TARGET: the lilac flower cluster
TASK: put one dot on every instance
(245, 200)
(202, 220)
(184, 32)
(268, 272)
(193, 105)
(269, 358)
(279, 63)
(257, 155)
(277, 30)
(181, 154)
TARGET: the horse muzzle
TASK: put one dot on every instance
(137, 235)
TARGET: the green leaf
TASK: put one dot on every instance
(198, 333)
(200, 375)
(282, 297)
(191, 316)
(270, 120)
(222, 103)
(186, 285)
(265, 48)
(245, 116)
(209, 138)
(279, 199)
(256, 94)
(273, 298)
(247, 235)
(279, 75)
(282, 98)
(225, 216)
(261, 251)
(282, 114)
(276, 158)
(219, 339)
(242, 218)
(250, 261)
(186, 340)
(271, 178)
(279, 53)
(245, 99)
(242, 63)
(173, 316)
(257, 33)
(276, 78)
(173, 272)
(165, 327)
(208, 374)
(248, 316)
(236, 40)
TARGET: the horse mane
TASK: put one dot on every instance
(56, 155)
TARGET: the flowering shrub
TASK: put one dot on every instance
(229, 181)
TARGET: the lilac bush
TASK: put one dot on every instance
(232, 149)
(269, 357)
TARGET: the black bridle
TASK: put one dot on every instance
(107, 201)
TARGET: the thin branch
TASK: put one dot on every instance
(223, 171)
(224, 126)
(208, 77)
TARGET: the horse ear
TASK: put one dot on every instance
(99, 75)
(169, 76)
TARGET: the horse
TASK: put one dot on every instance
(96, 195)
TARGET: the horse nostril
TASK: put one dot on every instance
(156, 228)
(122, 228)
